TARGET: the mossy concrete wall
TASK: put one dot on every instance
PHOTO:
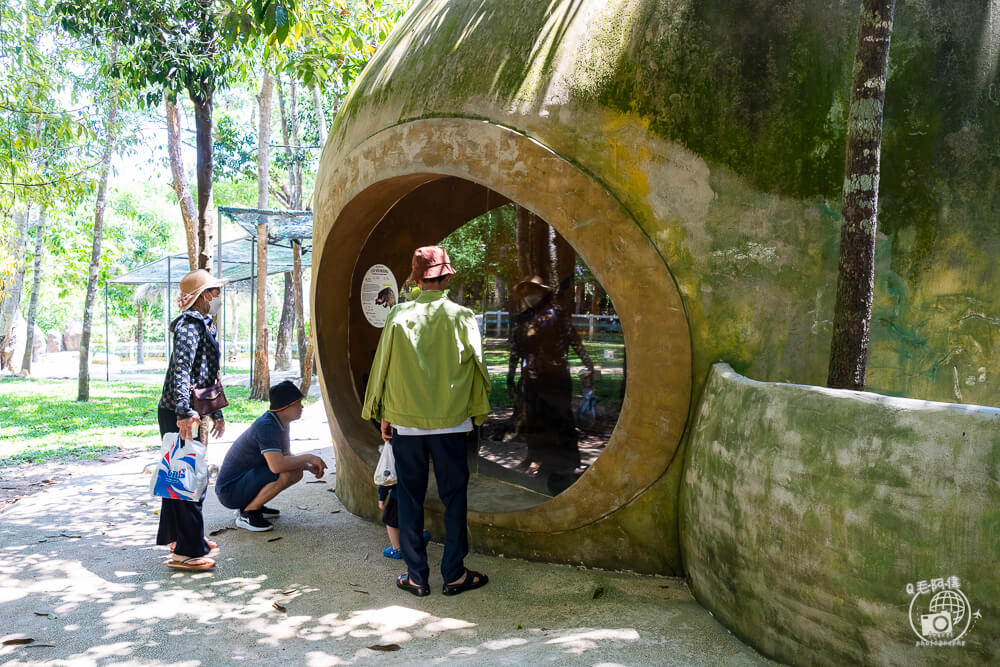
(718, 129)
(805, 512)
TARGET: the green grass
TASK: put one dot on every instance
(607, 388)
(496, 353)
(41, 420)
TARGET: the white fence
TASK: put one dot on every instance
(497, 323)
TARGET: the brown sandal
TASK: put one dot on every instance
(194, 563)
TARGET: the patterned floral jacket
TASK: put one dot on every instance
(194, 362)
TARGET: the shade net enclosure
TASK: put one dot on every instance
(237, 258)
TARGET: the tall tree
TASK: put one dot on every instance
(189, 214)
(856, 270)
(293, 153)
(110, 131)
(36, 282)
(262, 376)
(10, 299)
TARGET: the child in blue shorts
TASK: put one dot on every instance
(390, 517)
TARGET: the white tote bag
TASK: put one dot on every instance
(385, 471)
(182, 470)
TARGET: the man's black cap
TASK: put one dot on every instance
(283, 394)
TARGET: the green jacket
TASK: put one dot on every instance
(428, 370)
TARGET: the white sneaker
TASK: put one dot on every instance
(253, 521)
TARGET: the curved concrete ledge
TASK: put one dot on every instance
(806, 511)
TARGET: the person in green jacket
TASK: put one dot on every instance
(427, 387)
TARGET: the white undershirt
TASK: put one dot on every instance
(464, 427)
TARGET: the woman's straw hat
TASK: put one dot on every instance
(193, 284)
(531, 287)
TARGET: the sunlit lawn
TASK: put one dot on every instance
(41, 420)
(496, 352)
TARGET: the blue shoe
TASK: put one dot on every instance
(390, 552)
(427, 537)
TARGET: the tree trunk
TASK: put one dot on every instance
(262, 376)
(595, 299)
(140, 353)
(261, 372)
(299, 307)
(189, 214)
(234, 348)
(308, 372)
(203, 140)
(83, 385)
(264, 135)
(534, 246)
(320, 114)
(856, 270)
(283, 343)
(564, 269)
(35, 284)
(10, 303)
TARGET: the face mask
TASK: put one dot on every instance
(215, 305)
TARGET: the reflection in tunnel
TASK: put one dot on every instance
(553, 345)
(559, 334)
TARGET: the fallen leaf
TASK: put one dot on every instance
(517, 627)
(274, 539)
(278, 607)
(41, 613)
(334, 511)
(52, 481)
(598, 592)
(219, 531)
(384, 647)
(17, 642)
(72, 537)
(358, 590)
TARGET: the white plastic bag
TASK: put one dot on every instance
(385, 470)
(181, 472)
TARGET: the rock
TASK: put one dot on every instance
(37, 343)
(53, 342)
(71, 336)
(13, 351)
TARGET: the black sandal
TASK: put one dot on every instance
(473, 580)
(403, 581)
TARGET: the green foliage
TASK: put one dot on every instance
(484, 246)
(44, 146)
(339, 38)
(40, 420)
(175, 46)
(235, 149)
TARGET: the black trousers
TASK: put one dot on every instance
(181, 521)
(451, 468)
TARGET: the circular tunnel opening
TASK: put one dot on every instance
(416, 183)
(552, 341)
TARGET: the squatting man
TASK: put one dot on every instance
(259, 465)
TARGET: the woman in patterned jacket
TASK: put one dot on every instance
(194, 362)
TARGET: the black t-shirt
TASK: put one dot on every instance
(266, 434)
